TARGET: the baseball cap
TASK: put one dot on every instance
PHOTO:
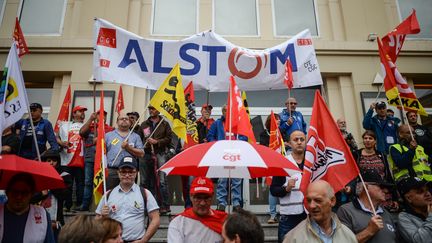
(35, 106)
(133, 113)
(201, 185)
(406, 184)
(372, 176)
(208, 106)
(128, 162)
(380, 104)
(79, 108)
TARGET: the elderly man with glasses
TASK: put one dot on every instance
(291, 120)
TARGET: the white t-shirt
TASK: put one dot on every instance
(69, 131)
(184, 230)
(128, 209)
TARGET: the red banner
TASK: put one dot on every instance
(20, 42)
(63, 115)
(120, 101)
(288, 80)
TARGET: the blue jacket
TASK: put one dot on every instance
(298, 124)
(217, 131)
(44, 133)
(384, 130)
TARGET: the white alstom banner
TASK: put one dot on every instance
(206, 58)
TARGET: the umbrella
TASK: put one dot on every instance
(229, 159)
(45, 176)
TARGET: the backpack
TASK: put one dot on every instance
(144, 195)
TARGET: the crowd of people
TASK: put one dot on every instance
(394, 204)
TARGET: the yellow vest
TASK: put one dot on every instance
(419, 164)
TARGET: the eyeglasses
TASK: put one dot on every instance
(127, 172)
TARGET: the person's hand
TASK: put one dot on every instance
(152, 141)
(291, 184)
(413, 144)
(290, 121)
(125, 144)
(347, 189)
(375, 224)
(372, 106)
(93, 116)
(105, 211)
(64, 144)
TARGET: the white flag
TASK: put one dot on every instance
(13, 96)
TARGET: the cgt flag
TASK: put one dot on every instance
(275, 141)
(99, 178)
(191, 125)
(327, 157)
(236, 115)
(120, 101)
(13, 95)
(394, 40)
(19, 40)
(170, 101)
(63, 115)
(396, 86)
(288, 79)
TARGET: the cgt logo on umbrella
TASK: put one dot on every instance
(231, 155)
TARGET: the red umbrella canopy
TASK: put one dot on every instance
(229, 158)
(45, 176)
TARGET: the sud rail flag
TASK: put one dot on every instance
(328, 156)
(207, 58)
(99, 178)
(13, 95)
(191, 125)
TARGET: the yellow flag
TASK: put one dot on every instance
(169, 100)
(245, 103)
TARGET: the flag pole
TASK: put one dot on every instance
(379, 92)
(367, 194)
(405, 116)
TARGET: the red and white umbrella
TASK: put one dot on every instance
(229, 159)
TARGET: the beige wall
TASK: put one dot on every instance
(348, 62)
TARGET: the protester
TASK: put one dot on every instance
(291, 120)
(130, 204)
(407, 159)
(10, 142)
(113, 230)
(321, 225)
(52, 200)
(88, 134)
(82, 229)
(423, 135)
(359, 217)
(116, 142)
(69, 139)
(217, 132)
(242, 227)
(20, 221)
(415, 224)
(265, 140)
(157, 144)
(199, 223)
(43, 130)
(204, 122)
(133, 117)
(288, 188)
(349, 138)
(384, 126)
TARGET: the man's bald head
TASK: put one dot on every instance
(321, 198)
(322, 186)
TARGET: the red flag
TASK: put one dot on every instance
(63, 115)
(327, 156)
(78, 157)
(288, 80)
(240, 123)
(20, 42)
(276, 141)
(191, 126)
(120, 101)
(100, 157)
(395, 85)
(394, 40)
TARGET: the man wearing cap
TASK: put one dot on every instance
(69, 139)
(43, 130)
(407, 158)
(88, 133)
(290, 119)
(359, 217)
(131, 205)
(156, 148)
(133, 117)
(415, 223)
(384, 126)
(199, 223)
(116, 142)
(204, 122)
(423, 135)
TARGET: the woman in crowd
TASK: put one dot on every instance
(113, 230)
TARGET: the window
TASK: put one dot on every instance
(42, 17)
(2, 8)
(293, 16)
(174, 17)
(423, 11)
(239, 17)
